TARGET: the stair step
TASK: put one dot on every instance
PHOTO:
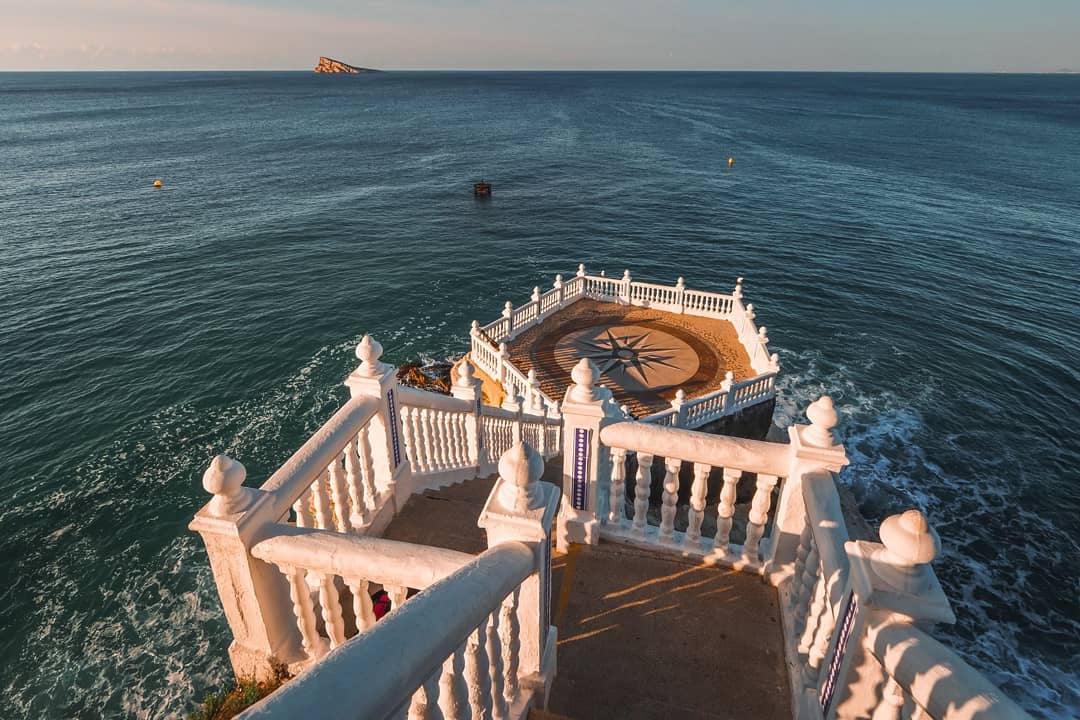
(537, 714)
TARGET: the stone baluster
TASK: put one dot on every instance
(813, 614)
(413, 417)
(425, 701)
(398, 595)
(367, 466)
(759, 514)
(642, 488)
(446, 438)
(330, 602)
(427, 423)
(725, 510)
(304, 611)
(824, 629)
(362, 607)
(698, 490)
(671, 496)
(338, 495)
(355, 481)
(806, 539)
(302, 506)
(408, 434)
(453, 693)
(617, 505)
(510, 639)
(500, 710)
(321, 499)
(802, 594)
(477, 673)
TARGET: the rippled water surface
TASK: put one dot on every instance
(911, 242)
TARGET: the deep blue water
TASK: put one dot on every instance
(912, 243)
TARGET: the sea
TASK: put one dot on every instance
(911, 242)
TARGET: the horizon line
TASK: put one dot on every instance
(1061, 71)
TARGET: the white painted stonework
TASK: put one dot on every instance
(296, 559)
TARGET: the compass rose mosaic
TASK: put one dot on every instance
(630, 355)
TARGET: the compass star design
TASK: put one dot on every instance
(628, 352)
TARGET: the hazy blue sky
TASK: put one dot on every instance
(1013, 35)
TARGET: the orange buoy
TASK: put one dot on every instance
(157, 183)
(730, 161)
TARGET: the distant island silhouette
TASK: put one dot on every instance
(336, 67)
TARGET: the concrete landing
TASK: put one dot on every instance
(641, 635)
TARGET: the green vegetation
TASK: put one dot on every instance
(225, 704)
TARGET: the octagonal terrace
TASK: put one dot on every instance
(644, 355)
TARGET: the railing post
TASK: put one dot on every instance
(581, 270)
(558, 286)
(254, 595)
(377, 379)
(737, 292)
(586, 463)
(503, 361)
(725, 386)
(813, 447)
(467, 387)
(521, 508)
(680, 295)
(889, 581)
(536, 302)
(679, 406)
(508, 320)
(627, 287)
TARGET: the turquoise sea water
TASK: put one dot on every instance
(912, 243)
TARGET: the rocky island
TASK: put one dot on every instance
(336, 67)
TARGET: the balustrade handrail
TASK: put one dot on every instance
(433, 401)
(357, 556)
(826, 521)
(302, 468)
(403, 649)
(525, 417)
(935, 677)
(755, 456)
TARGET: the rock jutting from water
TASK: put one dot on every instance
(336, 67)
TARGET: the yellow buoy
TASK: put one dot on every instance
(157, 183)
(730, 162)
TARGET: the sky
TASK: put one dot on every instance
(870, 35)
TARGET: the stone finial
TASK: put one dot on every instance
(625, 410)
(729, 378)
(369, 351)
(585, 374)
(910, 545)
(680, 283)
(224, 479)
(508, 309)
(474, 328)
(531, 377)
(750, 314)
(738, 288)
(504, 350)
(680, 398)
(520, 468)
(558, 282)
(823, 419)
(626, 276)
(762, 335)
(581, 270)
(466, 377)
(774, 362)
(536, 294)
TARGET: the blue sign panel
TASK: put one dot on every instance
(579, 486)
(394, 440)
(847, 620)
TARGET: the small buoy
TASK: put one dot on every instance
(730, 161)
(482, 189)
(157, 183)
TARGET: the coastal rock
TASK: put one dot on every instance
(332, 66)
(433, 376)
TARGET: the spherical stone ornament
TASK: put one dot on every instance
(520, 467)
(823, 418)
(224, 479)
(909, 538)
(466, 376)
(585, 374)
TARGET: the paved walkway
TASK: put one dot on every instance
(641, 635)
(644, 355)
